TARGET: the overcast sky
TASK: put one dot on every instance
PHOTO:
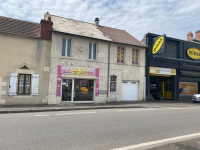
(175, 18)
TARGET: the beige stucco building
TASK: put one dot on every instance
(94, 63)
(25, 61)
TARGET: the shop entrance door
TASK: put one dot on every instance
(83, 90)
(66, 89)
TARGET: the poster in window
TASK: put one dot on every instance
(122, 55)
(187, 88)
(118, 54)
(133, 56)
(136, 56)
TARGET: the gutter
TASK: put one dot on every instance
(108, 68)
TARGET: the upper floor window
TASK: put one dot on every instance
(135, 54)
(66, 47)
(120, 54)
(92, 51)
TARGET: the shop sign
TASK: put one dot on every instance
(76, 71)
(159, 44)
(187, 88)
(164, 71)
(193, 53)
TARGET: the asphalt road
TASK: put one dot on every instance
(95, 129)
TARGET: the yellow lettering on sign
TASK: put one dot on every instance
(158, 44)
(193, 53)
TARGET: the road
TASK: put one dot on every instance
(96, 129)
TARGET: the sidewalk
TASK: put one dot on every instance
(84, 106)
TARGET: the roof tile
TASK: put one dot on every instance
(15, 26)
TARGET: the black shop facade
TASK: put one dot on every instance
(172, 68)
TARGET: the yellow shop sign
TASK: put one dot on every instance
(193, 53)
(158, 44)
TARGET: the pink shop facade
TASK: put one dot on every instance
(77, 84)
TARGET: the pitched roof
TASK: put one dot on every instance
(80, 28)
(20, 27)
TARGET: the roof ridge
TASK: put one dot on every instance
(19, 20)
(85, 22)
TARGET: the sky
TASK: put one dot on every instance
(175, 18)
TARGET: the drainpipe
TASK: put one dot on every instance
(108, 68)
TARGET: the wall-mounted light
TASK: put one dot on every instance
(72, 64)
(80, 49)
(90, 65)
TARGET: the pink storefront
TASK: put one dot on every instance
(77, 83)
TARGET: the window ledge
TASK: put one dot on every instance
(91, 60)
(120, 63)
(23, 96)
(135, 65)
(65, 58)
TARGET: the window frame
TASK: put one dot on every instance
(66, 48)
(120, 61)
(134, 58)
(24, 93)
(92, 51)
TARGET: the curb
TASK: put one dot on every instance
(65, 109)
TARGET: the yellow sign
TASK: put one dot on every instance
(186, 88)
(164, 71)
(193, 53)
(158, 44)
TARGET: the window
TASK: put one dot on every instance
(135, 54)
(66, 47)
(92, 51)
(120, 54)
(24, 83)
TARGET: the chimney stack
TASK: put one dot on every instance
(96, 21)
(189, 36)
(46, 29)
(197, 35)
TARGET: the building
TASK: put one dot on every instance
(173, 74)
(94, 63)
(25, 61)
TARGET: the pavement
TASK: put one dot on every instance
(85, 106)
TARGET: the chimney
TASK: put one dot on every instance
(197, 35)
(189, 36)
(96, 21)
(46, 29)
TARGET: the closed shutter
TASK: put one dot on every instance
(129, 91)
(35, 84)
(13, 84)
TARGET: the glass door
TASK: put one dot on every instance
(66, 89)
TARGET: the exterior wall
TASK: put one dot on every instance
(17, 50)
(124, 72)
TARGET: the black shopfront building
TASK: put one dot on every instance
(174, 74)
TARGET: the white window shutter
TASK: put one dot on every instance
(13, 84)
(35, 84)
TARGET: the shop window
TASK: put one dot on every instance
(66, 47)
(120, 54)
(135, 54)
(92, 51)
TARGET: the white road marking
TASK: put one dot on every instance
(78, 113)
(183, 108)
(154, 143)
(142, 109)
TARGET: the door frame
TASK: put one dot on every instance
(72, 94)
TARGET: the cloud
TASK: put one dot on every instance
(171, 17)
